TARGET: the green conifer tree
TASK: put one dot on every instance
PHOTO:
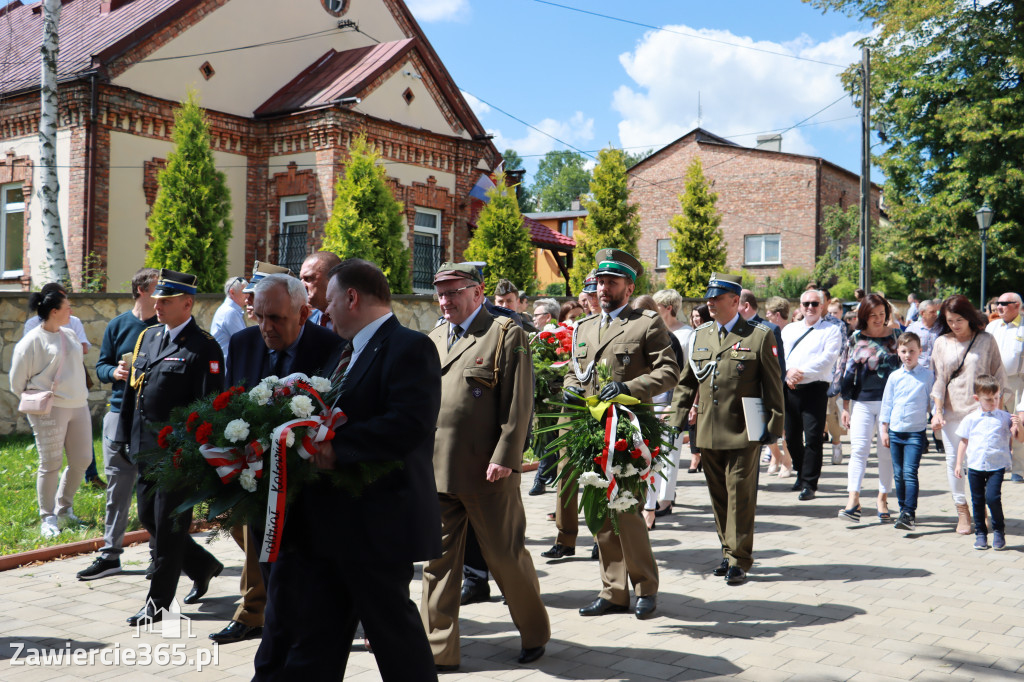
(697, 243)
(612, 222)
(191, 220)
(366, 220)
(501, 239)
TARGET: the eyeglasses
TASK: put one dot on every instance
(1005, 303)
(810, 304)
(451, 294)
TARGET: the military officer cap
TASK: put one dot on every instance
(261, 270)
(723, 284)
(450, 271)
(590, 283)
(173, 283)
(619, 263)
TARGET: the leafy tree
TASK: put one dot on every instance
(839, 267)
(789, 283)
(947, 95)
(190, 224)
(561, 178)
(698, 249)
(612, 222)
(366, 220)
(501, 239)
(633, 158)
(514, 162)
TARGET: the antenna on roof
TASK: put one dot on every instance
(699, 112)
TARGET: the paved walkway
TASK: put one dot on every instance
(826, 600)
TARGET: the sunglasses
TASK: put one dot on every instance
(810, 304)
(1005, 303)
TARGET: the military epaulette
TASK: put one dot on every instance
(440, 321)
(706, 324)
(763, 327)
(206, 334)
(650, 313)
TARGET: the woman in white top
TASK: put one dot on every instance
(50, 358)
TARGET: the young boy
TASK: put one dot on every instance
(904, 420)
(985, 446)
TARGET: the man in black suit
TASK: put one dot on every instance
(284, 341)
(174, 363)
(346, 559)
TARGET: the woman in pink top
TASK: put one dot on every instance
(962, 353)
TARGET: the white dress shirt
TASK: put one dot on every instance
(816, 355)
(1010, 339)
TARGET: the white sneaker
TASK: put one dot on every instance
(766, 455)
(68, 518)
(837, 453)
(49, 528)
(785, 472)
(772, 468)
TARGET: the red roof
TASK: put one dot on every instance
(335, 75)
(542, 234)
(84, 32)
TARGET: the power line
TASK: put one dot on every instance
(690, 35)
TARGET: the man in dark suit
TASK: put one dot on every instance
(347, 558)
(174, 363)
(285, 341)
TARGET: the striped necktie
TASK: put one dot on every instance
(339, 371)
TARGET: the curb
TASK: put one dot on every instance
(61, 551)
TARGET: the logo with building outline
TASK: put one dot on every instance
(168, 623)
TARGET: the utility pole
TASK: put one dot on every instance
(865, 171)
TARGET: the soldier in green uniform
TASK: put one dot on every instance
(732, 359)
(635, 345)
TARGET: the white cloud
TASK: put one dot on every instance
(576, 130)
(438, 10)
(478, 107)
(742, 91)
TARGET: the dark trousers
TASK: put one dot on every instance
(987, 489)
(173, 548)
(546, 469)
(474, 567)
(313, 607)
(806, 406)
(906, 449)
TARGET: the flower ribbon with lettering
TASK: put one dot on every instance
(610, 411)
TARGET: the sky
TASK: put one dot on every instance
(756, 66)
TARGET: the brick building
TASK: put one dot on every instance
(284, 98)
(771, 201)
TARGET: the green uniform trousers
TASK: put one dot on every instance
(732, 484)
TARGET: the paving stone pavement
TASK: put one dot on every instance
(826, 600)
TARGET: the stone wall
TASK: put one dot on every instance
(95, 310)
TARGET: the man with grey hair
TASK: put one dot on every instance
(230, 316)
(1009, 334)
(545, 310)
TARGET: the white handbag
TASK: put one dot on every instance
(40, 402)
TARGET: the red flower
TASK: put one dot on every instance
(161, 438)
(544, 336)
(176, 459)
(221, 401)
(203, 433)
(655, 451)
(636, 454)
(237, 390)
(190, 421)
(621, 444)
(646, 442)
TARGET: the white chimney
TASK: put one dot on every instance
(771, 143)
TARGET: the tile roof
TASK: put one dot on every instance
(335, 75)
(541, 234)
(84, 32)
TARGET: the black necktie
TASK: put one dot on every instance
(279, 360)
(165, 341)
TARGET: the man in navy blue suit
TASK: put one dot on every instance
(346, 559)
(284, 341)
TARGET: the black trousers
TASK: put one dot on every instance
(313, 606)
(806, 406)
(474, 566)
(172, 547)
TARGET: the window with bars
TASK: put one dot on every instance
(427, 251)
(291, 240)
(12, 230)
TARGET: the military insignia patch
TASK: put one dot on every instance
(520, 349)
(214, 367)
(477, 392)
(479, 361)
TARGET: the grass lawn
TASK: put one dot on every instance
(20, 512)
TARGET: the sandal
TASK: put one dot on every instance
(852, 514)
(884, 517)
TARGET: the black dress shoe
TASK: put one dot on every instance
(645, 607)
(805, 494)
(736, 576)
(150, 570)
(446, 668)
(796, 486)
(202, 584)
(236, 632)
(722, 568)
(664, 511)
(601, 606)
(538, 488)
(146, 613)
(530, 655)
(559, 551)
(474, 592)
(594, 553)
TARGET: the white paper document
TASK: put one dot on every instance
(753, 415)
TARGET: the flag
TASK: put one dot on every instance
(479, 190)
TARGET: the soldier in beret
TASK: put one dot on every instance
(635, 344)
(732, 359)
(175, 362)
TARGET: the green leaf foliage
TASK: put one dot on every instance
(612, 222)
(501, 239)
(561, 178)
(367, 221)
(948, 98)
(191, 220)
(698, 248)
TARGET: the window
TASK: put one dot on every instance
(335, 7)
(291, 241)
(427, 251)
(565, 227)
(664, 248)
(12, 229)
(761, 249)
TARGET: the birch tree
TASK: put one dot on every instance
(49, 188)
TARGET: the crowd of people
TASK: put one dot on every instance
(457, 406)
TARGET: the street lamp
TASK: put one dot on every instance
(984, 216)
